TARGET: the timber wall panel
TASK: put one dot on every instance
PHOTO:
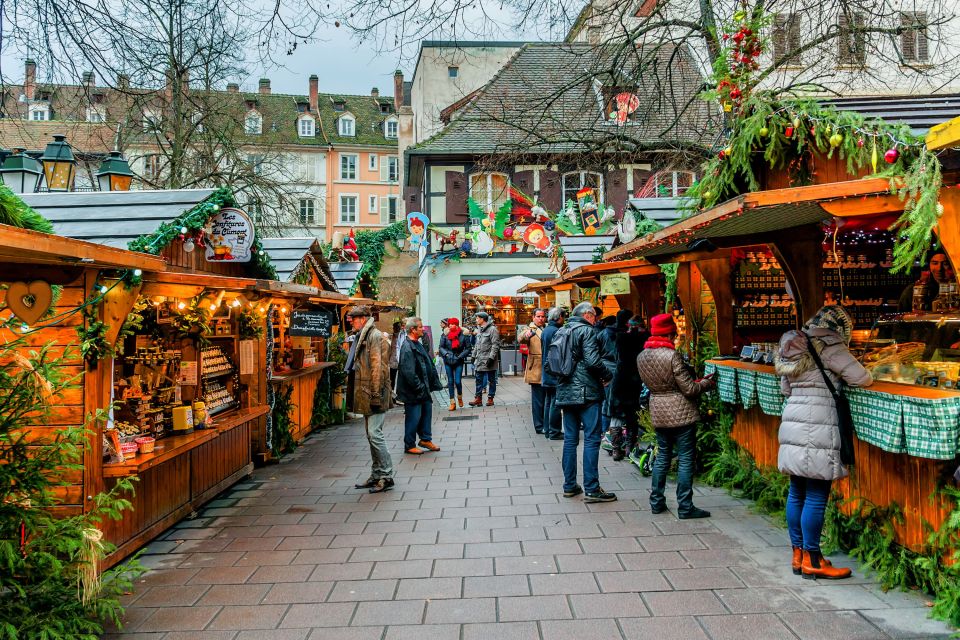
(220, 458)
(159, 492)
(880, 477)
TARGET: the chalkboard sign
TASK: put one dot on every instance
(311, 323)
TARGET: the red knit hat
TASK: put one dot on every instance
(453, 321)
(662, 325)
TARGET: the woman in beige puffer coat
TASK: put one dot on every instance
(809, 431)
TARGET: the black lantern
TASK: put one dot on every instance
(59, 165)
(114, 173)
(20, 172)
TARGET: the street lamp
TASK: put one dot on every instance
(59, 165)
(20, 172)
(114, 173)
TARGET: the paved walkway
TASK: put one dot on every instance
(476, 544)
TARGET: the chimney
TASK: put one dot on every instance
(314, 93)
(374, 93)
(88, 79)
(29, 79)
(398, 90)
(265, 86)
(233, 87)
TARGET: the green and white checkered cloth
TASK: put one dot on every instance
(768, 394)
(747, 387)
(878, 419)
(930, 427)
(727, 384)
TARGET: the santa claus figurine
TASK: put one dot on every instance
(350, 248)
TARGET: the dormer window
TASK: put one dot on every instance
(253, 124)
(620, 104)
(384, 107)
(390, 128)
(305, 127)
(96, 114)
(339, 105)
(39, 112)
(151, 121)
(346, 125)
(302, 107)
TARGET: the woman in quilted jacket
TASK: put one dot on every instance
(809, 430)
(673, 413)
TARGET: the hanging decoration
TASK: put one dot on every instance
(349, 249)
(29, 301)
(417, 224)
(627, 228)
(482, 243)
(626, 103)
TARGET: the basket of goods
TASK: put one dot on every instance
(145, 443)
(128, 448)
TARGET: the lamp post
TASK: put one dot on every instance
(59, 165)
(114, 173)
(20, 172)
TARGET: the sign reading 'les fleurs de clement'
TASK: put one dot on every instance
(229, 236)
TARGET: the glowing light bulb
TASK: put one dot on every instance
(284, 309)
(103, 289)
(235, 303)
(182, 306)
(137, 273)
(183, 229)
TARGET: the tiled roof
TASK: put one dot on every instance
(345, 274)
(547, 99)
(113, 218)
(920, 112)
(286, 254)
(369, 118)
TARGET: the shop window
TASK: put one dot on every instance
(508, 314)
(490, 190)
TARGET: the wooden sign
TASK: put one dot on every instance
(311, 323)
(614, 284)
(229, 236)
(29, 301)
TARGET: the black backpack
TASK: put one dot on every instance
(560, 354)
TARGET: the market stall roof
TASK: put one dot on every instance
(944, 135)
(502, 288)
(590, 274)
(744, 219)
(286, 255)
(665, 211)
(33, 247)
(345, 274)
(580, 250)
(113, 218)
(540, 285)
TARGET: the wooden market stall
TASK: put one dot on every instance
(907, 423)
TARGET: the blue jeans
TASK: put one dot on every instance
(454, 377)
(551, 413)
(806, 504)
(684, 441)
(537, 397)
(416, 422)
(587, 417)
(487, 379)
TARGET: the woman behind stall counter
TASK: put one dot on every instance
(809, 433)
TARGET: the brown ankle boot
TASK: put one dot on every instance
(797, 561)
(814, 566)
(453, 405)
(477, 402)
(460, 400)
(490, 401)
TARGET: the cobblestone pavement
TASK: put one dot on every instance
(476, 543)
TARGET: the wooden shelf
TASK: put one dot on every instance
(172, 446)
(299, 373)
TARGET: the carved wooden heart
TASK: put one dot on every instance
(29, 302)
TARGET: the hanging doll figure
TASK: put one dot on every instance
(350, 248)
(417, 225)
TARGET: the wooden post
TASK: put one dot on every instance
(716, 273)
(799, 253)
(948, 228)
(688, 290)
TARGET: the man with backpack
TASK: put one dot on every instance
(552, 428)
(575, 360)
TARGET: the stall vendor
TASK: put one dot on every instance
(939, 272)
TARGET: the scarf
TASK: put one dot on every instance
(659, 342)
(453, 333)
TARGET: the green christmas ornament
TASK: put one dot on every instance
(764, 132)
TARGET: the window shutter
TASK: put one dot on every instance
(640, 178)
(793, 38)
(843, 40)
(384, 169)
(779, 37)
(551, 190)
(523, 180)
(412, 199)
(384, 210)
(908, 38)
(923, 47)
(456, 183)
(616, 186)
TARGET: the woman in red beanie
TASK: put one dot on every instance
(673, 413)
(454, 349)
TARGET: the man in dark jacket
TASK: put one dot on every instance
(416, 378)
(623, 397)
(607, 340)
(552, 428)
(580, 395)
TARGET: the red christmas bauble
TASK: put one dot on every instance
(891, 155)
(734, 93)
(788, 132)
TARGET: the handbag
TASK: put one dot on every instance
(844, 417)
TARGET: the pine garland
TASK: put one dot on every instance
(370, 249)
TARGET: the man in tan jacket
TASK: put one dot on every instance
(533, 373)
(368, 368)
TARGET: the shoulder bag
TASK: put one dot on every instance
(844, 417)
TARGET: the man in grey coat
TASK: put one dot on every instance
(486, 358)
